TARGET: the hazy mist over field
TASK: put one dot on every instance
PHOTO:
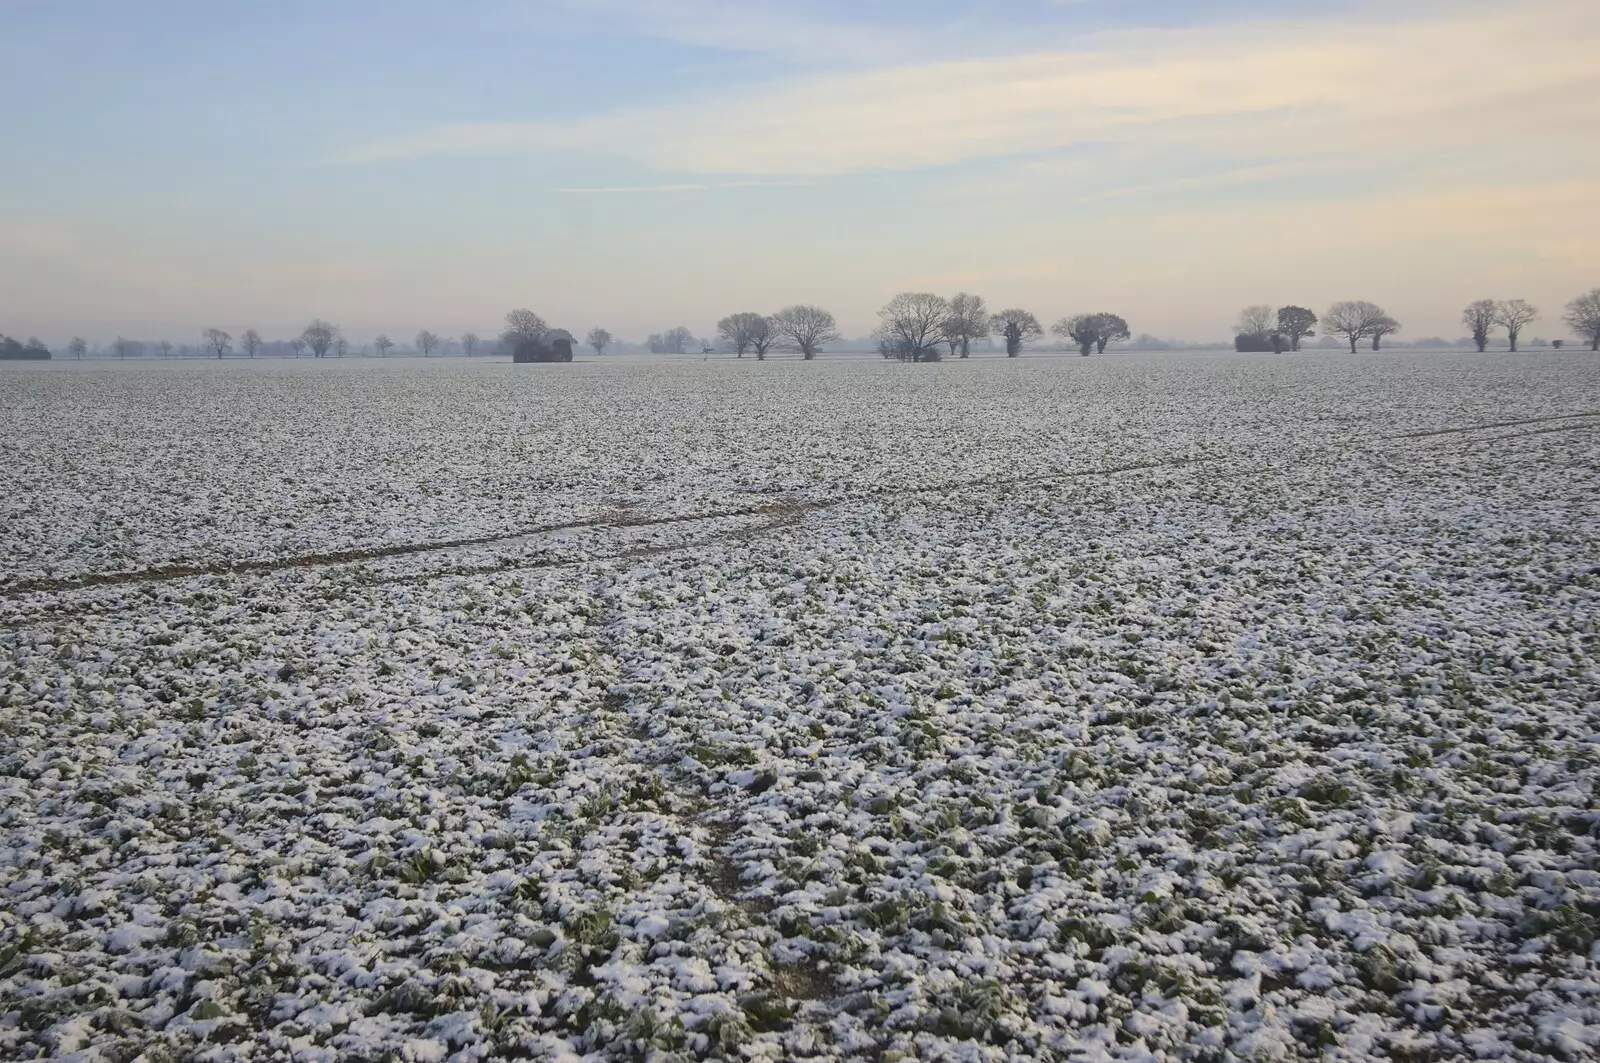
(637, 163)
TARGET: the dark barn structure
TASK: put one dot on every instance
(553, 346)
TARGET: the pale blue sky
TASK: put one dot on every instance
(646, 163)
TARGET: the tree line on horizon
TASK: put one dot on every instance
(913, 327)
(1260, 328)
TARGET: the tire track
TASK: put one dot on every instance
(785, 508)
(789, 509)
(1494, 424)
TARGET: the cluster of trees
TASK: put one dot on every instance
(922, 326)
(1092, 332)
(322, 338)
(917, 327)
(13, 349)
(524, 326)
(1260, 328)
(1485, 315)
(673, 341)
(319, 338)
(801, 328)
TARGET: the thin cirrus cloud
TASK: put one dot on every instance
(667, 189)
(1313, 88)
(753, 26)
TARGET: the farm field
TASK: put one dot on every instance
(1190, 706)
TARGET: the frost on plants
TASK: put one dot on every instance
(1158, 708)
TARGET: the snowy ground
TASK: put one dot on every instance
(1190, 707)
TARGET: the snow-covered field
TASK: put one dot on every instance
(1189, 706)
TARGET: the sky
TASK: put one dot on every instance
(393, 165)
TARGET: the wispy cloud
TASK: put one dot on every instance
(755, 26)
(1306, 88)
(620, 190)
(798, 31)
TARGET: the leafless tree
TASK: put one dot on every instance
(739, 331)
(1256, 321)
(949, 334)
(599, 339)
(341, 346)
(384, 344)
(1295, 323)
(77, 347)
(806, 329)
(250, 342)
(1583, 317)
(969, 320)
(522, 326)
(165, 347)
(1514, 315)
(298, 345)
(426, 342)
(219, 341)
(763, 339)
(1352, 320)
(1111, 328)
(469, 343)
(673, 341)
(319, 336)
(1479, 318)
(1384, 326)
(123, 347)
(1018, 327)
(1083, 330)
(912, 325)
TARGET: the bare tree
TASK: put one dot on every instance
(77, 347)
(426, 342)
(947, 333)
(341, 346)
(319, 336)
(1018, 327)
(1384, 326)
(672, 341)
(298, 345)
(469, 343)
(1256, 321)
(250, 342)
(1479, 318)
(912, 325)
(1352, 320)
(763, 339)
(969, 320)
(384, 344)
(1111, 329)
(1513, 316)
(1295, 323)
(1083, 330)
(523, 326)
(740, 330)
(123, 347)
(1583, 317)
(165, 347)
(806, 329)
(219, 341)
